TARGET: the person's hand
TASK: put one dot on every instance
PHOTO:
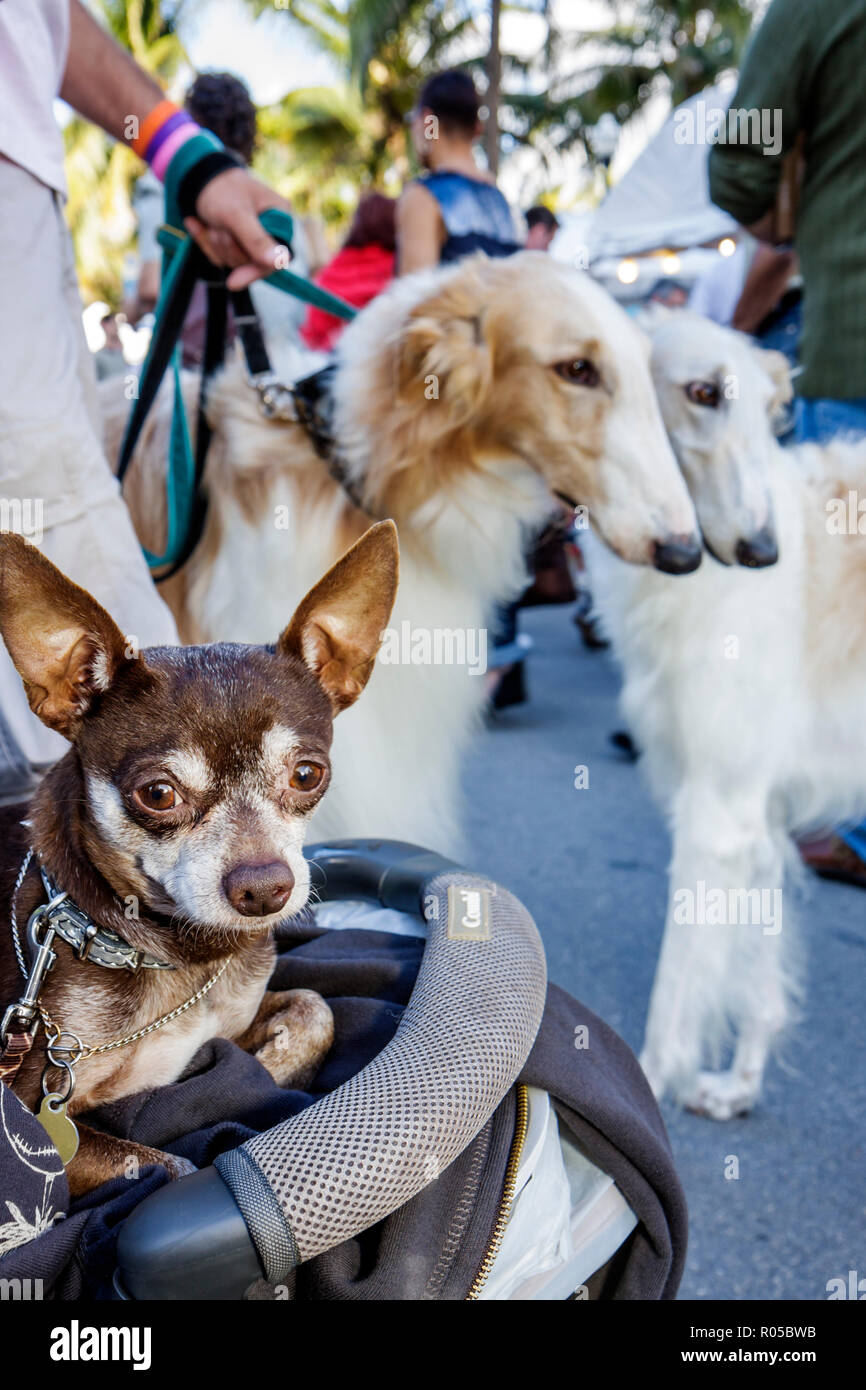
(228, 230)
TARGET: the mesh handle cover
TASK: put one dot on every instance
(364, 1150)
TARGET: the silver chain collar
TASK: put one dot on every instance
(65, 1049)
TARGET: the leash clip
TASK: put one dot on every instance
(25, 1011)
(276, 400)
(17, 1014)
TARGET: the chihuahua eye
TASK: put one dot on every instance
(157, 796)
(578, 370)
(703, 393)
(306, 777)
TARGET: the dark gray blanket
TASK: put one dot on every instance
(430, 1248)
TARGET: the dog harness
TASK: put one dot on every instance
(184, 264)
(308, 402)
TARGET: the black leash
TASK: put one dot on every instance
(308, 402)
(188, 505)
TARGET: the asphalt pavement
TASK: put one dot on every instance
(590, 864)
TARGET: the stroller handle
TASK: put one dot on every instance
(391, 872)
(368, 1147)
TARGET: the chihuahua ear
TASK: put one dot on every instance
(65, 647)
(337, 628)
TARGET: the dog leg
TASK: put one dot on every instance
(719, 970)
(672, 1044)
(765, 1012)
(101, 1157)
(720, 1095)
(291, 1035)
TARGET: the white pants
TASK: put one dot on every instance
(55, 483)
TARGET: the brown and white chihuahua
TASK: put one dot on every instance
(177, 820)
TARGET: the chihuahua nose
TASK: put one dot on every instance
(677, 554)
(257, 890)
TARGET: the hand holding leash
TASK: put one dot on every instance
(226, 226)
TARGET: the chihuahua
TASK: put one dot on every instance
(173, 830)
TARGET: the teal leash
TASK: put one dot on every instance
(184, 265)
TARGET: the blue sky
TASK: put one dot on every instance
(272, 54)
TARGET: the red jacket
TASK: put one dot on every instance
(356, 274)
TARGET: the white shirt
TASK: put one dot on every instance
(716, 293)
(34, 40)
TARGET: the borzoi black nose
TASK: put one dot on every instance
(678, 554)
(758, 551)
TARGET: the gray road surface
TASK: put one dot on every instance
(590, 865)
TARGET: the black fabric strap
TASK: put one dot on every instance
(166, 334)
(201, 174)
(250, 332)
(214, 353)
(169, 327)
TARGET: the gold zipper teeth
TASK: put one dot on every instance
(520, 1127)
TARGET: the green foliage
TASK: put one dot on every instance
(548, 101)
(321, 146)
(101, 173)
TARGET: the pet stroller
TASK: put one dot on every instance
(502, 1144)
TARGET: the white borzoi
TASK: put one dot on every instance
(465, 400)
(744, 688)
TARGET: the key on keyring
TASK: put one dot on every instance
(62, 1131)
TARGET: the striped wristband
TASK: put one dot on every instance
(182, 155)
(163, 132)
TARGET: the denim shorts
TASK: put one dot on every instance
(818, 419)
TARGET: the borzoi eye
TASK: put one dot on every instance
(157, 796)
(704, 393)
(578, 370)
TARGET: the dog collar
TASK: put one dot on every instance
(102, 945)
(60, 916)
(90, 942)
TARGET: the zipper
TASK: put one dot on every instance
(521, 1125)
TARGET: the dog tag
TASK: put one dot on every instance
(60, 1129)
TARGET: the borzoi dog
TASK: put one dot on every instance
(745, 691)
(465, 400)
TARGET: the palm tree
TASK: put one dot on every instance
(494, 85)
(546, 100)
(101, 172)
(316, 147)
(321, 145)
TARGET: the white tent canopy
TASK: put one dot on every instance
(663, 200)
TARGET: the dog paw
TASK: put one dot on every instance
(176, 1166)
(300, 1037)
(721, 1095)
(101, 1157)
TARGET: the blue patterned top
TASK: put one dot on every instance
(476, 216)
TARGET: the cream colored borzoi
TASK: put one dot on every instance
(466, 399)
(744, 686)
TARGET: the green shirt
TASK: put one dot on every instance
(807, 64)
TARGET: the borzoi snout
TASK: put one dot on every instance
(716, 392)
